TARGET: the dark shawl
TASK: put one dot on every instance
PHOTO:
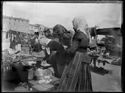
(59, 57)
(80, 42)
(63, 34)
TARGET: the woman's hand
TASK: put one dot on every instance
(48, 50)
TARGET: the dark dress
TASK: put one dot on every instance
(77, 76)
(57, 60)
(63, 34)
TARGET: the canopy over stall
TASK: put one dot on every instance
(106, 28)
(108, 31)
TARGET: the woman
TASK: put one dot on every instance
(93, 48)
(35, 44)
(77, 76)
(56, 58)
(62, 34)
(57, 47)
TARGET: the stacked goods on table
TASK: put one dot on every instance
(7, 60)
(40, 87)
(93, 53)
(44, 78)
(44, 75)
(36, 86)
(39, 54)
(109, 59)
(12, 58)
(104, 60)
(21, 89)
(117, 61)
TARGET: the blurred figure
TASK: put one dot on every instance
(35, 44)
(93, 48)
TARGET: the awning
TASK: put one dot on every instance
(106, 31)
(28, 32)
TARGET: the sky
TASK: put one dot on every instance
(50, 14)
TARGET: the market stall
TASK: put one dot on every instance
(106, 51)
(30, 68)
(19, 40)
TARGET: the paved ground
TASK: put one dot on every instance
(110, 82)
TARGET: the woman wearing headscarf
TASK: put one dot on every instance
(35, 44)
(63, 34)
(56, 59)
(57, 47)
(77, 76)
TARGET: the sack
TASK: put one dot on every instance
(21, 89)
(43, 87)
(44, 76)
(39, 73)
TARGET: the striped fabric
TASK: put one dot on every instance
(76, 76)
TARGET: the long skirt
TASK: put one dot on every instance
(76, 76)
(60, 69)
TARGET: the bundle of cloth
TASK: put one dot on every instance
(44, 75)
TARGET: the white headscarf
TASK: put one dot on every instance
(79, 23)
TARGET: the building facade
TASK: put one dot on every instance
(37, 28)
(14, 24)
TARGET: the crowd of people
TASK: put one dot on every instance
(71, 51)
(67, 54)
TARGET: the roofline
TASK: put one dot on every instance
(16, 18)
(109, 28)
